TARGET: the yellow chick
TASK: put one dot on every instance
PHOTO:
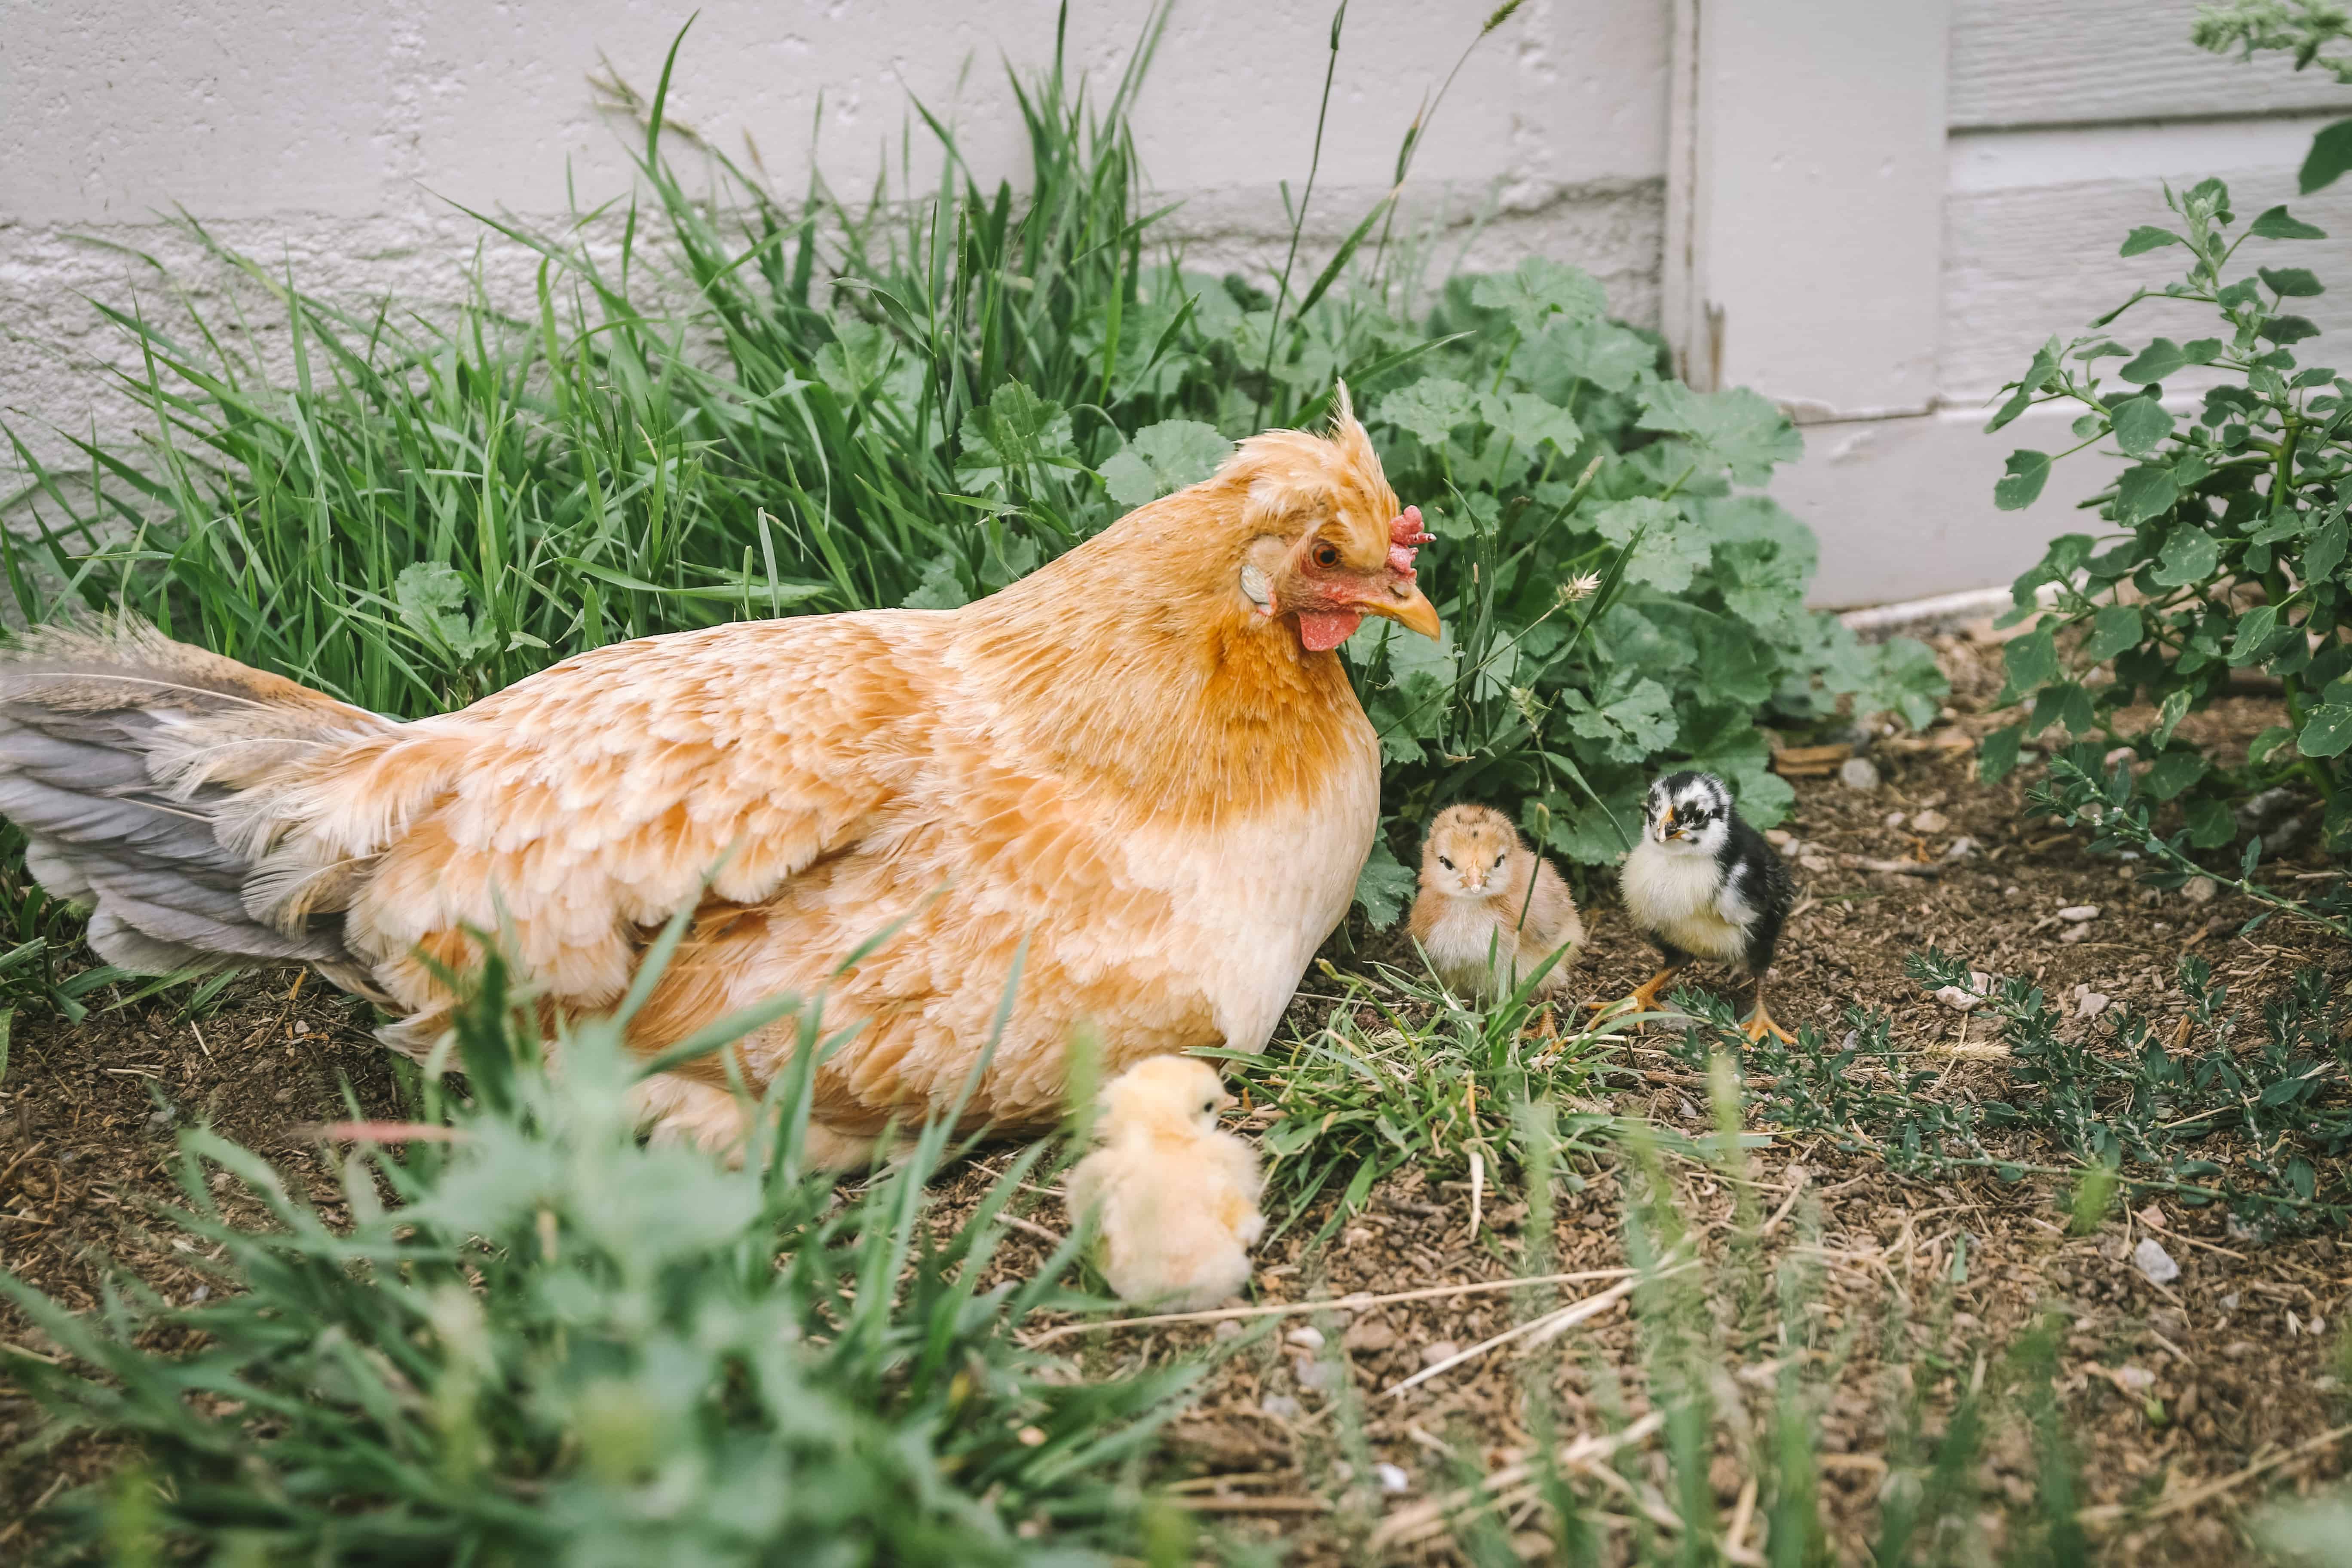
(1176, 1199)
(1491, 909)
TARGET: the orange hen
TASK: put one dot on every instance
(1144, 760)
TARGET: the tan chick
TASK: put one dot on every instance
(1175, 1199)
(1491, 909)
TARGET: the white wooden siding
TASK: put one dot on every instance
(2055, 128)
(2067, 62)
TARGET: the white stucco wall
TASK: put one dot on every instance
(338, 141)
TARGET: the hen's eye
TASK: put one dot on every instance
(1500, 858)
(1326, 554)
(1444, 862)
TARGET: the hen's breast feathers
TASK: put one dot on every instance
(840, 774)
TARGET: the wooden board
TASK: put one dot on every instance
(2060, 62)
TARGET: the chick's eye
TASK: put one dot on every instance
(1326, 554)
(1504, 856)
(1444, 862)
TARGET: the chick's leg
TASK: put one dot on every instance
(1759, 1023)
(1644, 998)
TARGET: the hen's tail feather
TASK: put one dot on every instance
(140, 769)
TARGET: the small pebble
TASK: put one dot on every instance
(2155, 1262)
(2119, 754)
(1228, 1330)
(2073, 934)
(1960, 849)
(2078, 914)
(1957, 999)
(2088, 1003)
(1779, 837)
(1281, 1406)
(200, 1293)
(2229, 1303)
(1356, 1236)
(1305, 1337)
(1893, 819)
(1322, 1376)
(2199, 890)
(2138, 1379)
(1370, 1335)
(1443, 1349)
(1930, 821)
(1392, 1479)
(1859, 773)
(2012, 892)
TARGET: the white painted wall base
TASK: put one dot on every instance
(1913, 502)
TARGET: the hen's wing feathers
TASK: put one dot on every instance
(578, 809)
(111, 739)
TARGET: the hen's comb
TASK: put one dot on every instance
(1405, 538)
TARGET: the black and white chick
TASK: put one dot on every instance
(1702, 883)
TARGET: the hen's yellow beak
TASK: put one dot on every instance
(1409, 607)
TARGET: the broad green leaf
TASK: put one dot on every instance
(2330, 155)
(2259, 750)
(2139, 423)
(2146, 238)
(1539, 289)
(2326, 732)
(2211, 824)
(2115, 629)
(1671, 551)
(1611, 357)
(2189, 555)
(2286, 330)
(2255, 632)
(1526, 421)
(2277, 224)
(431, 598)
(2168, 717)
(2021, 486)
(1997, 753)
(2037, 376)
(1384, 886)
(2292, 282)
(1632, 718)
(2031, 660)
(2061, 702)
(2159, 360)
(1163, 458)
(940, 587)
(2145, 492)
(2325, 552)
(2173, 772)
(1430, 409)
(1013, 433)
(1738, 428)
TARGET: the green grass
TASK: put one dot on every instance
(546, 1340)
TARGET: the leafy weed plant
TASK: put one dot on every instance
(541, 1337)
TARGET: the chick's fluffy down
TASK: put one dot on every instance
(1174, 1198)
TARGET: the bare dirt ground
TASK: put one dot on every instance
(2199, 1398)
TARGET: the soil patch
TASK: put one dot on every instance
(2228, 1367)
